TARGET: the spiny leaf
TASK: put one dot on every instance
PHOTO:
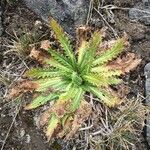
(94, 43)
(63, 39)
(81, 51)
(41, 100)
(70, 93)
(100, 69)
(105, 97)
(97, 80)
(103, 80)
(93, 79)
(76, 79)
(56, 64)
(60, 86)
(43, 84)
(113, 80)
(104, 70)
(61, 59)
(89, 54)
(41, 73)
(76, 100)
(111, 53)
(52, 125)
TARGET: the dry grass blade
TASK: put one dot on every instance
(21, 44)
(120, 129)
(13, 121)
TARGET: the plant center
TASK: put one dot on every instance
(76, 79)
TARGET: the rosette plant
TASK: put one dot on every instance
(66, 77)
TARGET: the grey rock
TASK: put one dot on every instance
(147, 92)
(147, 83)
(69, 13)
(141, 12)
(1, 27)
(146, 3)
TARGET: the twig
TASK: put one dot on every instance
(112, 7)
(114, 32)
(86, 128)
(89, 12)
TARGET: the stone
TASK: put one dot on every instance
(141, 12)
(69, 13)
(147, 92)
(147, 83)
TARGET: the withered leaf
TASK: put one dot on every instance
(59, 109)
(52, 126)
(45, 44)
(82, 113)
(82, 33)
(71, 123)
(22, 87)
(126, 63)
(39, 55)
(106, 45)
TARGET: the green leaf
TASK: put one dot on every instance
(113, 80)
(97, 79)
(61, 59)
(90, 52)
(41, 73)
(60, 86)
(44, 84)
(111, 53)
(71, 91)
(103, 70)
(57, 65)
(93, 79)
(52, 125)
(63, 39)
(41, 100)
(100, 69)
(76, 79)
(102, 79)
(104, 96)
(76, 100)
(81, 51)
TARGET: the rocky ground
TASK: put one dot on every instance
(18, 127)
